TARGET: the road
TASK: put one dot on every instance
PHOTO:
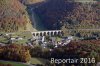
(83, 29)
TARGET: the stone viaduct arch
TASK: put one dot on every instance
(47, 33)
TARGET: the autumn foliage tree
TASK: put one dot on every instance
(13, 16)
(15, 52)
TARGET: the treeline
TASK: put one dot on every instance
(6, 64)
(13, 16)
(79, 49)
(15, 52)
(85, 33)
(83, 21)
(75, 49)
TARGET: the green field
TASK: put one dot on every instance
(21, 41)
(39, 61)
(33, 61)
(3, 40)
(13, 63)
(24, 34)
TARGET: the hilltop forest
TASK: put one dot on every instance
(61, 14)
(13, 16)
(53, 14)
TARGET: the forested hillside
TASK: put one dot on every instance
(13, 16)
(56, 13)
(53, 14)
